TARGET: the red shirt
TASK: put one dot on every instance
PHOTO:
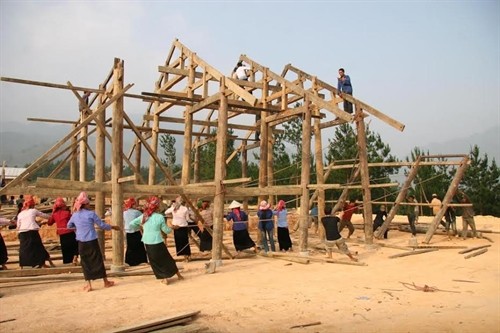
(349, 209)
(61, 218)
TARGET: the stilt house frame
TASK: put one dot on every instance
(208, 99)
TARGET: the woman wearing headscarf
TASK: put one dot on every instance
(205, 227)
(136, 252)
(153, 225)
(266, 225)
(284, 241)
(84, 219)
(180, 218)
(239, 220)
(31, 250)
(60, 216)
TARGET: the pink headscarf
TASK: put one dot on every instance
(281, 205)
(58, 204)
(29, 202)
(81, 200)
(151, 206)
(129, 203)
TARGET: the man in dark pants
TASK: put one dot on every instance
(344, 87)
(332, 235)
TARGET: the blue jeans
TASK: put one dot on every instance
(265, 234)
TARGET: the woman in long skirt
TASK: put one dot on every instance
(84, 219)
(4, 256)
(205, 227)
(136, 252)
(180, 218)
(239, 219)
(67, 237)
(284, 241)
(153, 224)
(32, 253)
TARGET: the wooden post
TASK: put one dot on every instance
(100, 161)
(452, 189)
(365, 176)
(244, 168)
(401, 196)
(138, 159)
(83, 148)
(196, 167)
(116, 169)
(220, 174)
(320, 180)
(305, 173)
(188, 129)
(74, 162)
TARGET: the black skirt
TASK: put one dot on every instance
(31, 250)
(69, 247)
(3, 251)
(161, 261)
(181, 237)
(242, 240)
(136, 252)
(284, 239)
(205, 240)
(91, 260)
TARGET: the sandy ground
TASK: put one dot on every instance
(262, 294)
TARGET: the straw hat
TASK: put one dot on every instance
(434, 195)
(234, 204)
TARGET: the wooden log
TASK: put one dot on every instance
(439, 247)
(335, 261)
(40, 271)
(191, 328)
(71, 277)
(473, 254)
(306, 325)
(157, 324)
(276, 255)
(473, 249)
(412, 253)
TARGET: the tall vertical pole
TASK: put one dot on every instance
(220, 174)
(188, 129)
(116, 169)
(244, 168)
(73, 163)
(365, 176)
(100, 161)
(83, 149)
(305, 174)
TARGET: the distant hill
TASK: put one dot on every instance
(487, 141)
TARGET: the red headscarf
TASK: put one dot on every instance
(281, 205)
(129, 203)
(81, 200)
(58, 204)
(29, 202)
(151, 206)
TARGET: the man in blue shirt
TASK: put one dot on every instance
(344, 87)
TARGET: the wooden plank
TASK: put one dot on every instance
(277, 255)
(393, 164)
(474, 248)
(474, 254)
(40, 271)
(399, 255)
(149, 326)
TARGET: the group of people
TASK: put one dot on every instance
(238, 220)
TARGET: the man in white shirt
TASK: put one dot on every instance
(241, 72)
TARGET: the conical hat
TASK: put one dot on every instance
(234, 204)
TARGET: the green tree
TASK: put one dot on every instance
(481, 182)
(430, 179)
(167, 142)
(343, 149)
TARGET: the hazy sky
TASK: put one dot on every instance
(432, 65)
